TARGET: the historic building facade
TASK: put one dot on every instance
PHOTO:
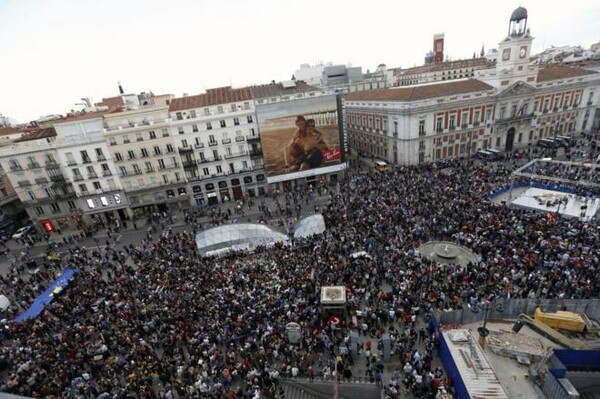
(132, 155)
(508, 106)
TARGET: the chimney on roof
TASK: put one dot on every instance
(121, 89)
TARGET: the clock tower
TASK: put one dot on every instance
(514, 51)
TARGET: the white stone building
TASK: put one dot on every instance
(509, 106)
(64, 174)
(218, 143)
(144, 152)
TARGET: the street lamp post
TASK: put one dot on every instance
(483, 331)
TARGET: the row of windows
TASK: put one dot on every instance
(138, 137)
(85, 157)
(55, 208)
(182, 130)
(149, 167)
(207, 111)
(285, 98)
(560, 101)
(144, 153)
(32, 161)
(222, 123)
(91, 171)
(464, 120)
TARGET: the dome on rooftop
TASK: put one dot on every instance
(519, 14)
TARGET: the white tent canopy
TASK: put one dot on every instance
(236, 237)
(309, 226)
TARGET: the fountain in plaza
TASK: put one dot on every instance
(444, 252)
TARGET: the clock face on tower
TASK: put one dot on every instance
(523, 52)
(506, 54)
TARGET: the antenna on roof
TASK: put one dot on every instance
(120, 88)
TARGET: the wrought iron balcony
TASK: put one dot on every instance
(190, 163)
(236, 155)
(255, 152)
(57, 178)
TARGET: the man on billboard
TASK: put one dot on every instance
(300, 138)
(306, 148)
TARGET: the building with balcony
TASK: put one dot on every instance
(218, 144)
(147, 161)
(90, 180)
(58, 174)
(25, 162)
(506, 107)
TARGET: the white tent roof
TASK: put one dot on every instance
(234, 236)
(309, 226)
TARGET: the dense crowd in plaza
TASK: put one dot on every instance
(578, 172)
(154, 320)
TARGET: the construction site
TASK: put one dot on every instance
(524, 348)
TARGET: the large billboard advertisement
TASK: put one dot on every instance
(302, 138)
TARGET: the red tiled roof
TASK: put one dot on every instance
(37, 134)
(111, 102)
(415, 93)
(220, 95)
(277, 89)
(556, 72)
(6, 130)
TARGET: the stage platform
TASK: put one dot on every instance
(568, 205)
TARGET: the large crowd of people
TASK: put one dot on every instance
(155, 320)
(586, 174)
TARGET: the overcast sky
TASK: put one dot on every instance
(54, 52)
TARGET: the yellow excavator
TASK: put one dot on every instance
(550, 324)
(564, 320)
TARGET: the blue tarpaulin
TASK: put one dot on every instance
(47, 296)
